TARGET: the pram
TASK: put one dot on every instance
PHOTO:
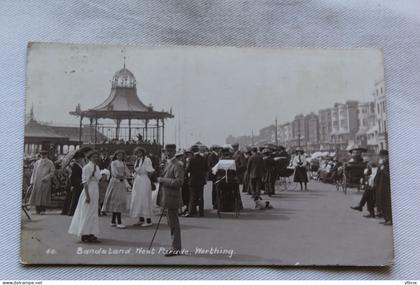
(285, 173)
(228, 197)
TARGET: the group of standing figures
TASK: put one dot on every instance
(259, 169)
(377, 194)
(94, 183)
(85, 221)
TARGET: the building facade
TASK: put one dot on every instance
(345, 124)
(312, 132)
(298, 131)
(325, 128)
(285, 134)
(335, 128)
(380, 113)
(367, 134)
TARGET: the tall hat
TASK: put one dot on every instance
(170, 147)
(194, 148)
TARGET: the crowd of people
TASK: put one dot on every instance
(377, 190)
(139, 140)
(96, 184)
(370, 175)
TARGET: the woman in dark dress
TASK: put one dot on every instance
(299, 163)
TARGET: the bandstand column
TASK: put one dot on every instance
(146, 123)
(117, 130)
(129, 129)
(80, 129)
(90, 130)
(157, 131)
(96, 129)
(163, 132)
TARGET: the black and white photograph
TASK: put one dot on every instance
(163, 155)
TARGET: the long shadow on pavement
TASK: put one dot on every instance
(271, 214)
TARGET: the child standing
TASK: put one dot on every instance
(115, 200)
(103, 186)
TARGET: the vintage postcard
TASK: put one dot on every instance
(205, 156)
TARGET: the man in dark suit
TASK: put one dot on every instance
(256, 172)
(170, 182)
(240, 162)
(197, 171)
(76, 181)
(104, 161)
(213, 159)
(384, 187)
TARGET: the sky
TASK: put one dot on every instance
(213, 91)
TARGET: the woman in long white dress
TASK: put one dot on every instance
(85, 221)
(141, 196)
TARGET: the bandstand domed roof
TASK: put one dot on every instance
(123, 102)
(123, 78)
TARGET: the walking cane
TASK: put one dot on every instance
(157, 227)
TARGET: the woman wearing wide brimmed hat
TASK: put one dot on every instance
(85, 222)
(116, 194)
(299, 163)
(141, 196)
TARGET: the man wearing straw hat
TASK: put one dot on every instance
(170, 182)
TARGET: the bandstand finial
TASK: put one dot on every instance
(124, 57)
(31, 114)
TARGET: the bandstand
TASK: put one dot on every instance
(143, 125)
